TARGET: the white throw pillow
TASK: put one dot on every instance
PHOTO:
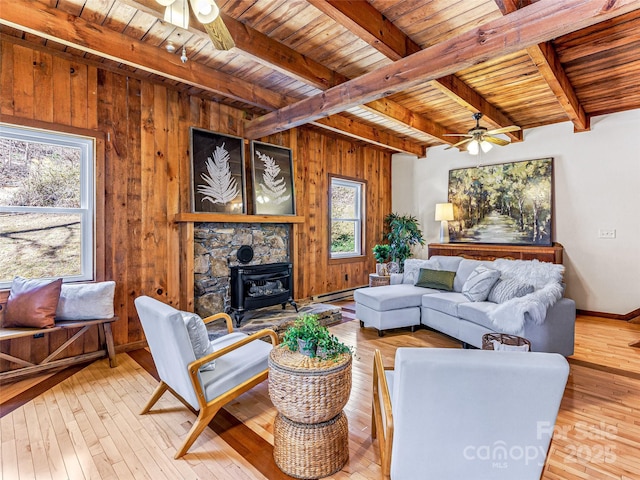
(479, 283)
(86, 301)
(412, 268)
(506, 289)
(509, 348)
(199, 337)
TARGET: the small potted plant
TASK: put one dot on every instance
(310, 338)
(381, 253)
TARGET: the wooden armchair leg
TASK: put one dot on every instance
(374, 432)
(204, 417)
(160, 389)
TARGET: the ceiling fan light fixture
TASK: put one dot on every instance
(177, 13)
(474, 147)
(206, 11)
(485, 146)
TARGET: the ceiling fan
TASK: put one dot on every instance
(481, 138)
(206, 12)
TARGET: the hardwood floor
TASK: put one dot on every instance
(84, 423)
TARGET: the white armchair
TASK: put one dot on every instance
(241, 363)
(452, 413)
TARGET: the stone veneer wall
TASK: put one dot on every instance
(215, 248)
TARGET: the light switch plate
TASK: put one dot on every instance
(606, 233)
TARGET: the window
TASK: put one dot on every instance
(46, 205)
(347, 214)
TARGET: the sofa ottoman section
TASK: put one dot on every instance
(391, 297)
(384, 320)
(390, 306)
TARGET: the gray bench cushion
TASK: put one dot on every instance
(444, 302)
(391, 297)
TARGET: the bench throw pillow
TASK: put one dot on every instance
(439, 279)
(199, 338)
(86, 301)
(32, 303)
(507, 289)
(479, 283)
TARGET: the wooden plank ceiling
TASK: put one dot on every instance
(397, 74)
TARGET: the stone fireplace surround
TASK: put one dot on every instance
(215, 249)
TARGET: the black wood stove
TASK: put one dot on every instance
(257, 286)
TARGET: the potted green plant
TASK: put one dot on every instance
(402, 232)
(381, 254)
(310, 338)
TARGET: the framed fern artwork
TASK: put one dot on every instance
(217, 173)
(272, 180)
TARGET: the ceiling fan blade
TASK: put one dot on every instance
(512, 128)
(496, 140)
(462, 142)
(457, 135)
(219, 34)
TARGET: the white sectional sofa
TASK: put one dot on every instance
(543, 316)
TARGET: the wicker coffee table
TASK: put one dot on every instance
(311, 434)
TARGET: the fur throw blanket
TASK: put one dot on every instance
(546, 278)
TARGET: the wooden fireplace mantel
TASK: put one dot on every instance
(185, 222)
(235, 218)
(551, 254)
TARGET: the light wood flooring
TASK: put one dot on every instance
(84, 423)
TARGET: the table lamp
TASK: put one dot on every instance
(444, 213)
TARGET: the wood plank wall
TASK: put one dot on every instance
(146, 172)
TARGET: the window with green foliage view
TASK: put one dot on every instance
(347, 224)
(46, 205)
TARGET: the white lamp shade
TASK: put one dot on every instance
(444, 211)
(165, 3)
(474, 147)
(485, 146)
(177, 13)
(206, 11)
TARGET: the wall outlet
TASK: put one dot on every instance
(606, 234)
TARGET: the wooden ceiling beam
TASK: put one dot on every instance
(466, 96)
(361, 131)
(546, 59)
(266, 51)
(394, 111)
(367, 23)
(540, 22)
(54, 24)
(362, 19)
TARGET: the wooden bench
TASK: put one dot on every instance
(105, 337)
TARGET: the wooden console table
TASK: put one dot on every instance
(551, 254)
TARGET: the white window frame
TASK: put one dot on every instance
(359, 220)
(87, 146)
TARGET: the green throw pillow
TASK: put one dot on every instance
(439, 279)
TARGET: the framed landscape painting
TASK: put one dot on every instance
(217, 172)
(272, 176)
(507, 203)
